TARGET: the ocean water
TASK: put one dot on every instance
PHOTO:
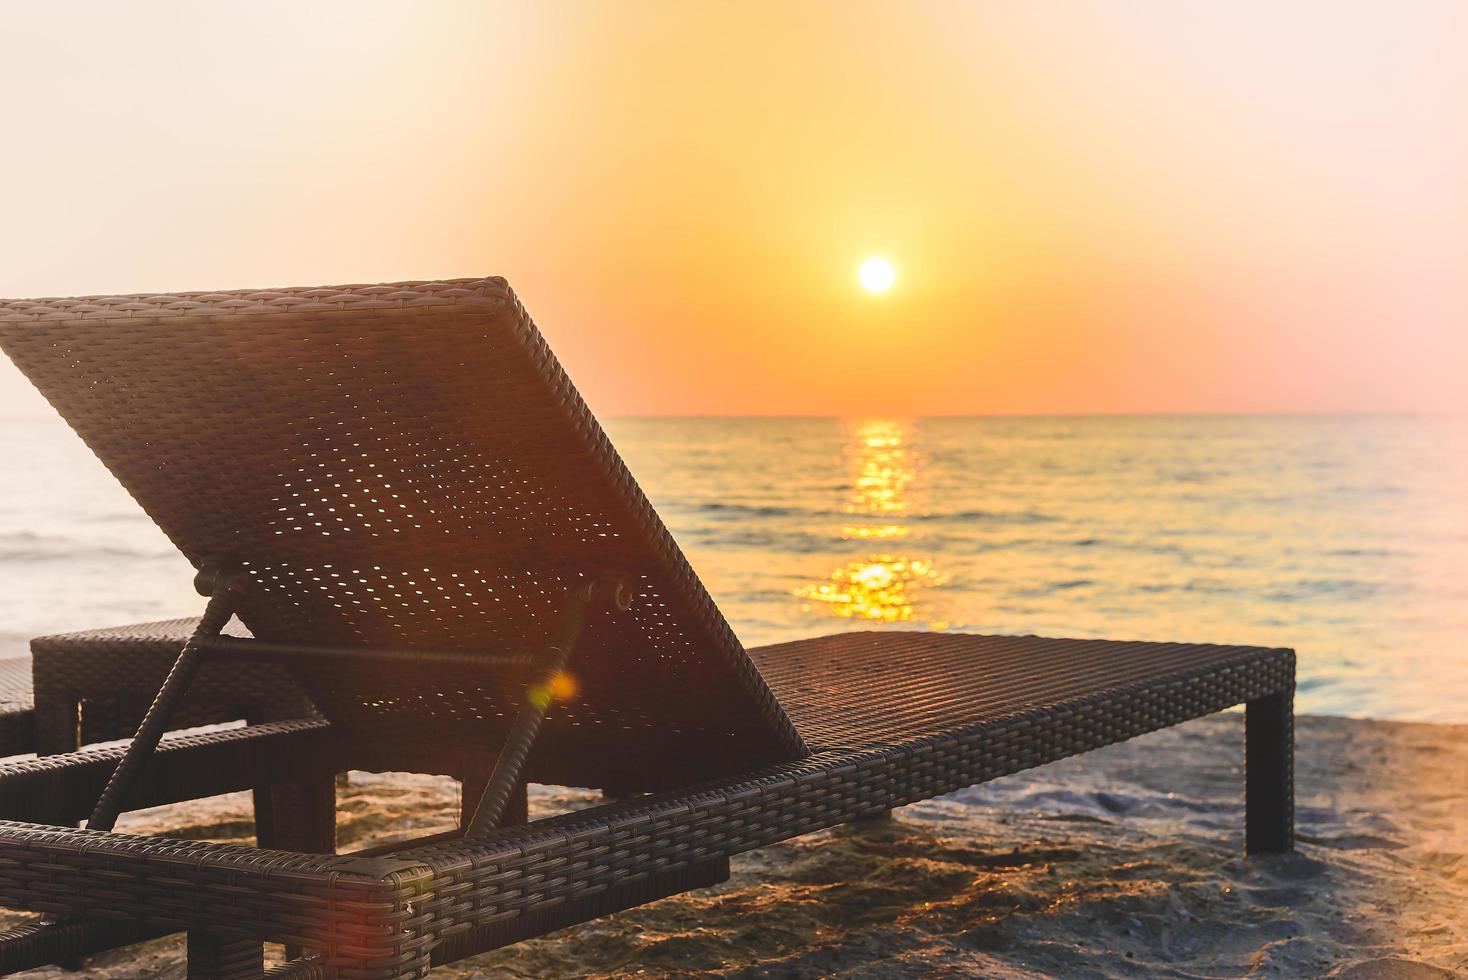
(1343, 537)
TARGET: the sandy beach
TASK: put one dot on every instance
(1126, 862)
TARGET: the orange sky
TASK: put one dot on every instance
(1092, 207)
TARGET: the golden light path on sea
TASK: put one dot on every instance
(882, 587)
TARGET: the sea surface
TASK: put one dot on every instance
(1343, 537)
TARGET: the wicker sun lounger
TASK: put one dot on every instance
(400, 494)
(95, 685)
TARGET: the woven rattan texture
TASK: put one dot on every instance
(16, 728)
(872, 689)
(1149, 686)
(235, 890)
(444, 891)
(95, 686)
(407, 466)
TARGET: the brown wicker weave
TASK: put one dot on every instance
(413, 488)
(17, 730)
(94, 685)
(407, 466)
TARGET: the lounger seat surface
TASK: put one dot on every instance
(872, 688)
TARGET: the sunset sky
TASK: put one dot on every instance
(1119, 207)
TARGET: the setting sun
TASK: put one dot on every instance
(877, 274)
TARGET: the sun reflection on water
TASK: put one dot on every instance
(880, 587)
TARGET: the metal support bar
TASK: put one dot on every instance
(509, 768)
(517, 811)
(240, 648)
(222, 585)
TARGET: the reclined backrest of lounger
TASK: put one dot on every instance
(406, 466)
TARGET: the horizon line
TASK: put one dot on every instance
(1238, 413)
(812, 416)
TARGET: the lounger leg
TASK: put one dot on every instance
(1269, 761)
(298, 816)
(58, 725)
(262, 800)
(212, 958)
(58, 731)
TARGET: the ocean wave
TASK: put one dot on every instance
(757, 539)
(1348, 588)
(1041, 589)
(990, 516)
(757, 510)
(722, 508)
(22, 547)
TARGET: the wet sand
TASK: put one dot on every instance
(1123, 863)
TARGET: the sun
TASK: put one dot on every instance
(877, 274)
